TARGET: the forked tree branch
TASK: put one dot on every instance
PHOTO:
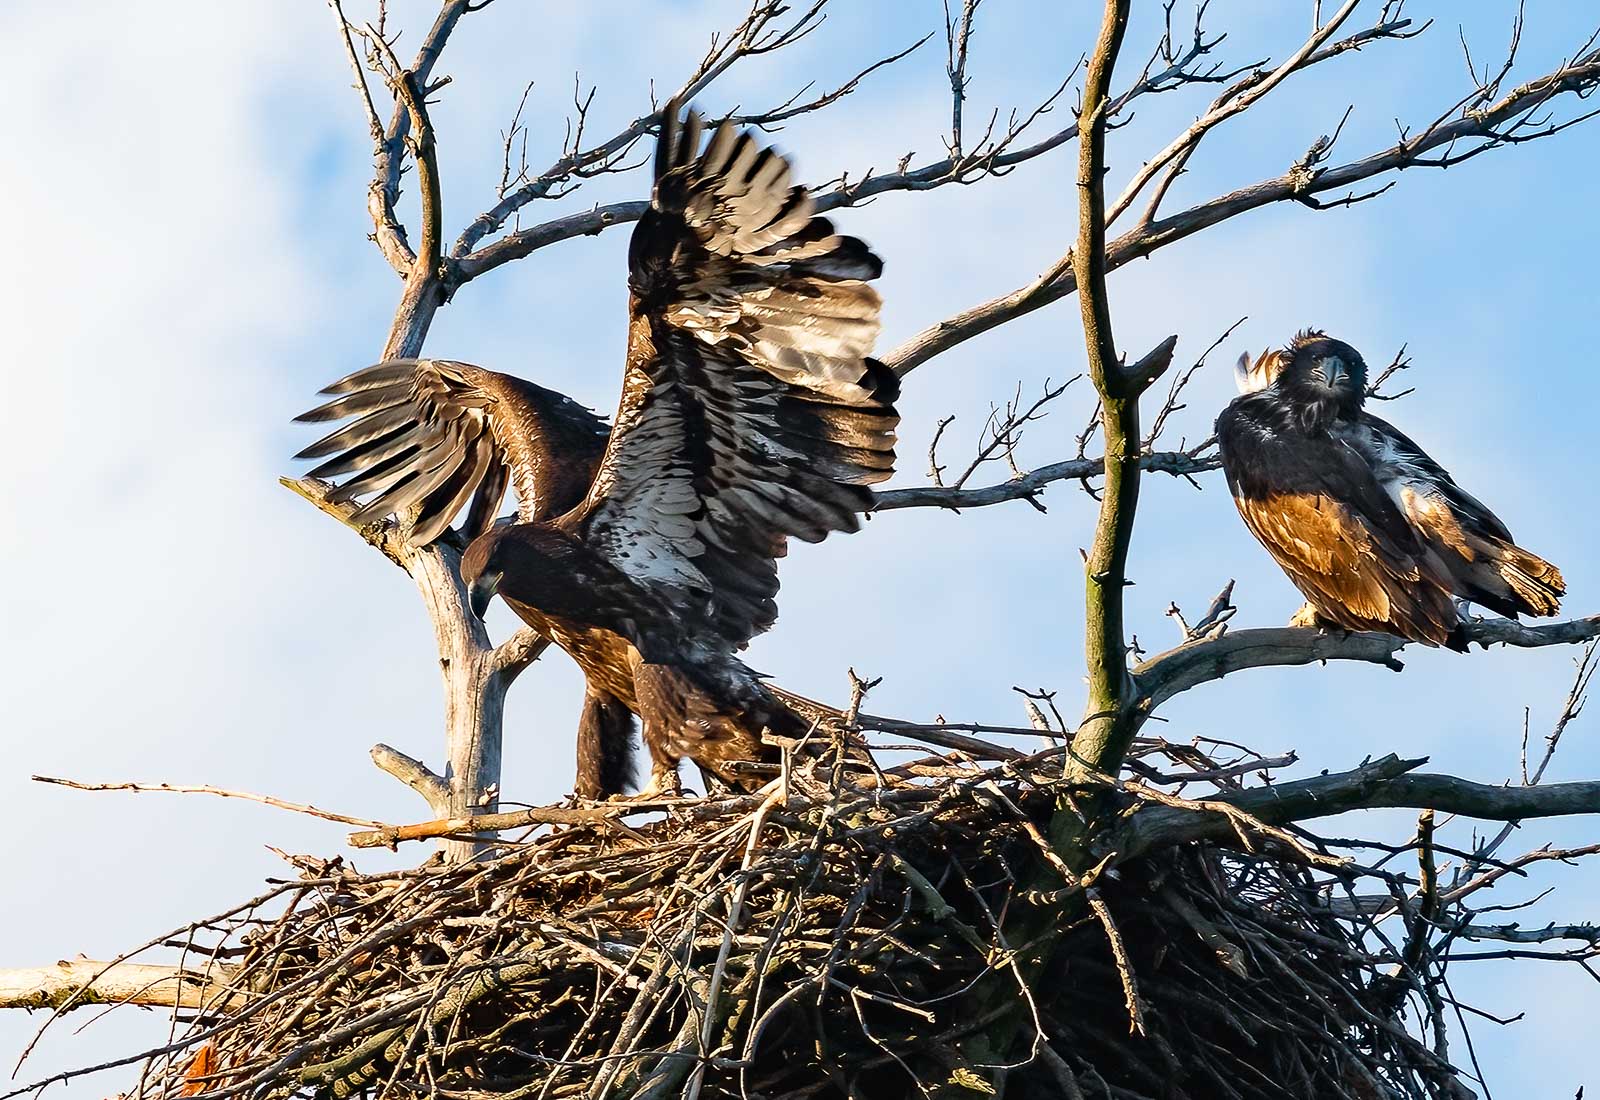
(994, 158)
(389, 143)
(1233, 102)
(1032, 483)
(1107, 728)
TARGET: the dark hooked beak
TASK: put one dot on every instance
(481, 594)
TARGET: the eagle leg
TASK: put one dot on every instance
(665, 782)
(1308, 615)
(605, 746)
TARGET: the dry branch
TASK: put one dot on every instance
(81, 982)
(1502, 123)
(1198, 662)
(387, 836)
(1389, 782)
(1029, 485)
(995, 157)
(247, 796)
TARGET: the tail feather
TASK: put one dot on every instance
(1535, 583)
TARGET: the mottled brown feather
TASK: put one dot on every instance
(1349, 576)
(750, 413)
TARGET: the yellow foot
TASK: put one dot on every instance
(1306, 616)
(664, 783)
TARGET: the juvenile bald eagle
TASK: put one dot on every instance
(750, 414)
(1374, 532)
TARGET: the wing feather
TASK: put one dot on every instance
(1484, 562)
(751, 412)
(434, 434)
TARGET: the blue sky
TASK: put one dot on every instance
(193, 265)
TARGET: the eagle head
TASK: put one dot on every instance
(538, 565)
(1323, 378)
(482, 569)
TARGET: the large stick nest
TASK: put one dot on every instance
(891, 934)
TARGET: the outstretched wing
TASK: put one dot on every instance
(433, 433)
(1315, 504)
(750, 411)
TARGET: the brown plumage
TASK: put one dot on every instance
(1374, 532)
(750, 414)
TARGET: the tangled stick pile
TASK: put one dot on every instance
(863, 930)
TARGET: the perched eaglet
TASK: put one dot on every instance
(647, 550)
(1374, 532)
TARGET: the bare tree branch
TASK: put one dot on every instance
(1031, 484)
(993, 157)
(388, 233)
(383, 195)
(956, 41)
(753, 36)
(1503, 123)
(79, 983)
(1195, 663)
(1389, 782)
(247, 796)
(519, 651)
(1235, 101)
(388, 836)
(384, 537)
(413, 773)
(425, 155)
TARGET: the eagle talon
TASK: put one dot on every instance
(1307, 616)
(665, 782)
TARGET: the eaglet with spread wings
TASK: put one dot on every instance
(1374, 532)
(750, 413)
